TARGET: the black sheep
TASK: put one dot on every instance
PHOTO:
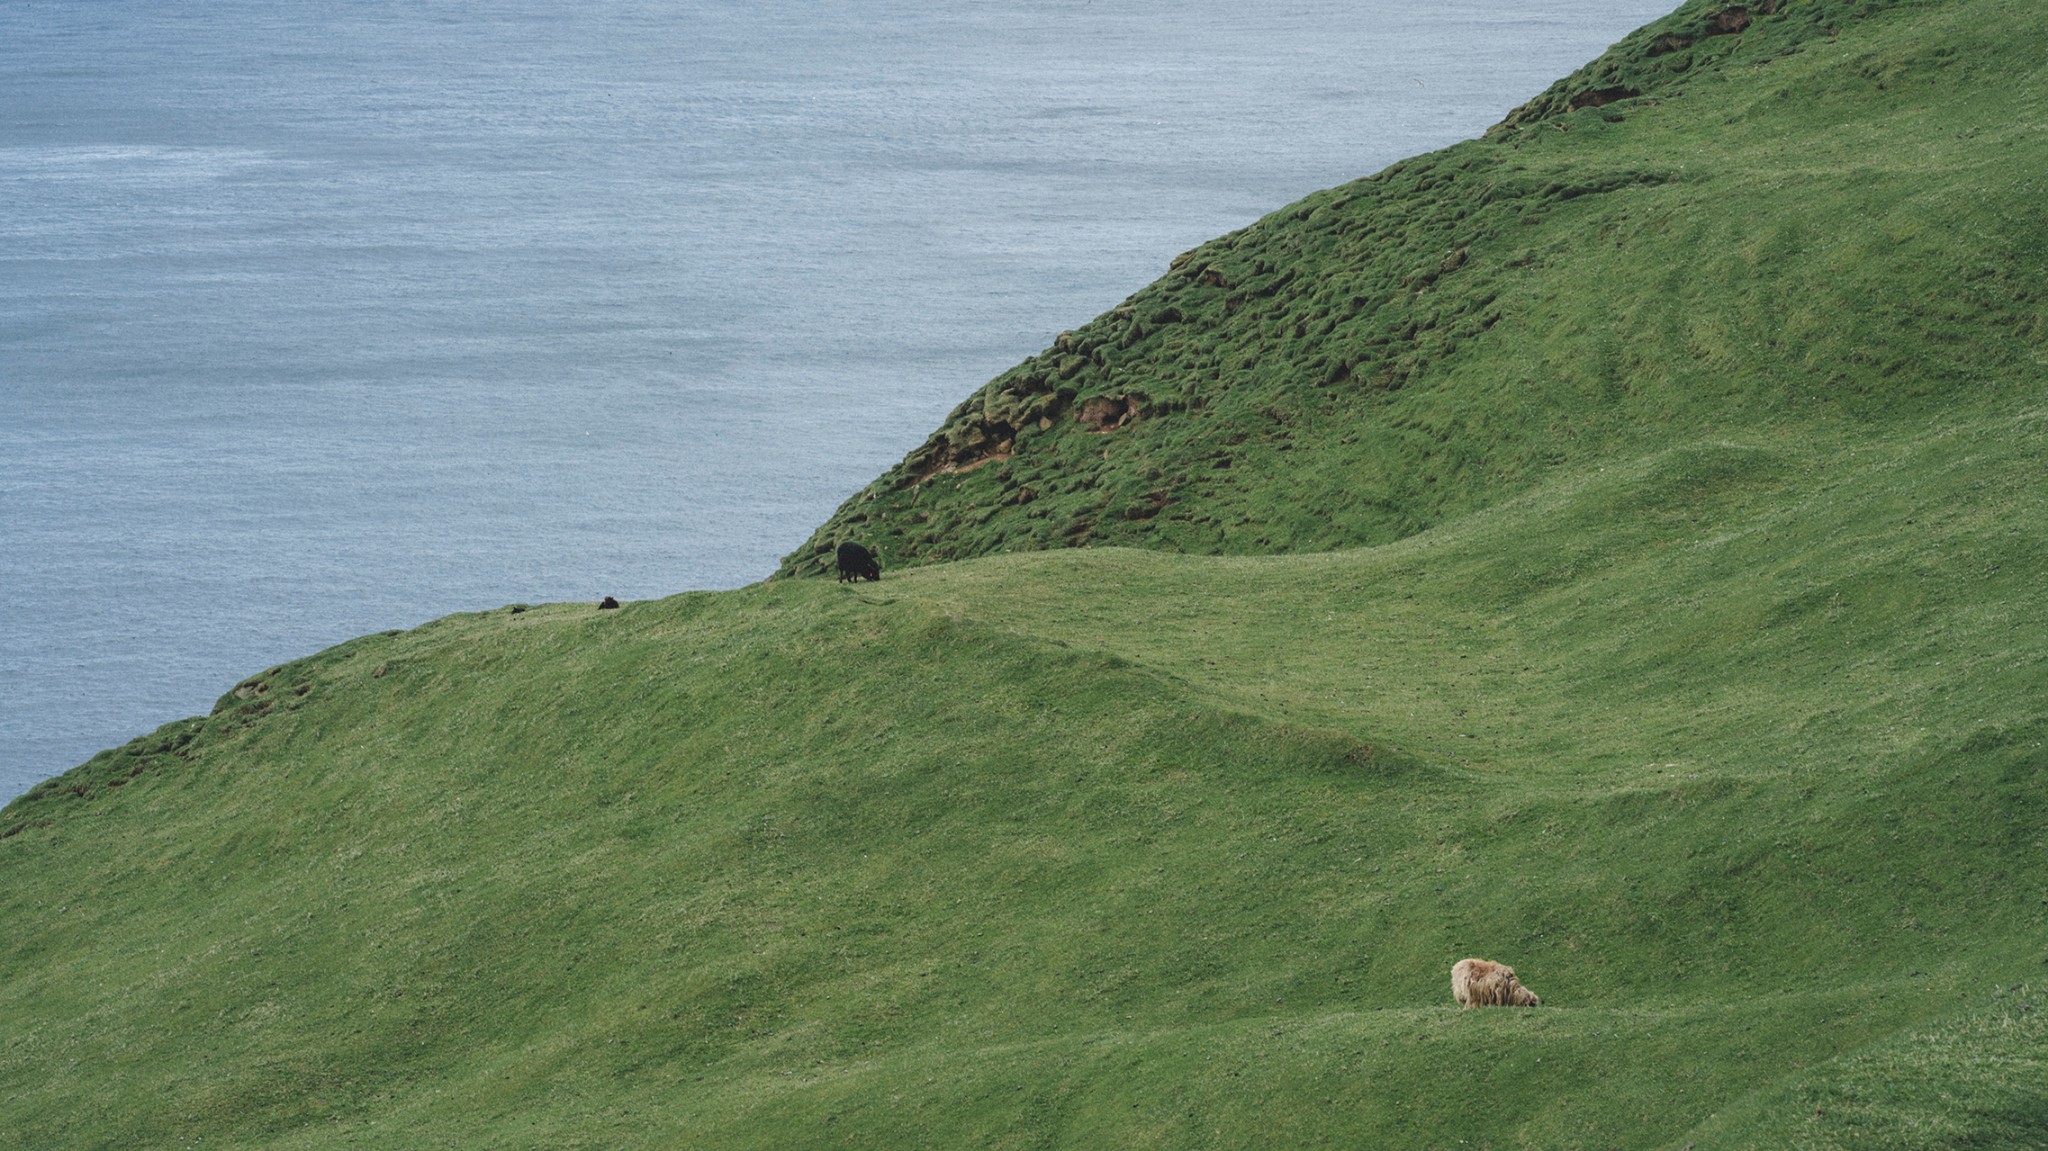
(857, 563)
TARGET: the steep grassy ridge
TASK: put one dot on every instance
(1784, 226)
(1705, 684)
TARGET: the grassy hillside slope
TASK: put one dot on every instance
(1724, 722)
(1746, 779)
(1826, 216)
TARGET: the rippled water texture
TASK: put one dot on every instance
(323, 318)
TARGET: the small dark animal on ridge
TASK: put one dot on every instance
(609, 602)
(857, 563)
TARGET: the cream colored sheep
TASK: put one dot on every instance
(1483, 983)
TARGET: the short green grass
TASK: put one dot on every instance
(1720, 715)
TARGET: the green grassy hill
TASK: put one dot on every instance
(1826, 217)
(1696, 667)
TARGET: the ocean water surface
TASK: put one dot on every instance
(324, 318)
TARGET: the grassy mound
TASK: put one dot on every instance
(1703, 684)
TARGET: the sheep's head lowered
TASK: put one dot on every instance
(1484, 983)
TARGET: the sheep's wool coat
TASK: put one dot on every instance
(1483, 983)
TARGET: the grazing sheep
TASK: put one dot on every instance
(1482, 983)
(857, 563)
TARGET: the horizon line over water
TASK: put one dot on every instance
(322, 321)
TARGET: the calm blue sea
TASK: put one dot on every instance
(320, 317)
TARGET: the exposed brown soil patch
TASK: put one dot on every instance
(1728, 21)
(996, 455)
(1104, 414)
(1601, 97)
(964, 448)
(1151, 505)
(960, 463)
